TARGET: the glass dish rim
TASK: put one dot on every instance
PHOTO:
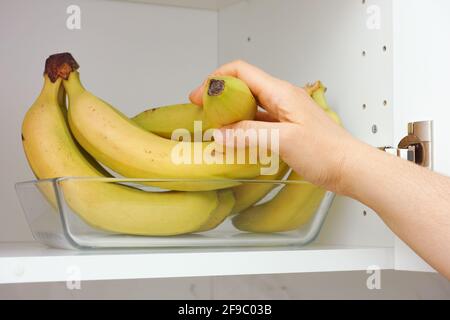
(160, 180)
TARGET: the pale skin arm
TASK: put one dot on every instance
(414, 202)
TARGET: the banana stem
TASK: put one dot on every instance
(60, 65)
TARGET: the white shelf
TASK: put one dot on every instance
(198, 4)
(30, 262)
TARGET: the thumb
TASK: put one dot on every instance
(196, 96)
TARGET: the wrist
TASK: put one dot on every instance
(360, 161)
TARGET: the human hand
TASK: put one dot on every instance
(310, 142)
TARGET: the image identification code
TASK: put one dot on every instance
(231, 309)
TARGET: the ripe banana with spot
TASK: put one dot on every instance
(296, 203)
(117, 142)
(52, 152)
(163, 121)
(226, 100)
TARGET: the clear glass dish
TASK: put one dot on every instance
(48, 207)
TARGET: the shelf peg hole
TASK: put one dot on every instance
(374, 129)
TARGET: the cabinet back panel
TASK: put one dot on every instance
(132, 55)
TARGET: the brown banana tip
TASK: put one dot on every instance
(60, 65)
(216, 87)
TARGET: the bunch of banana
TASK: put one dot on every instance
(52, 152)
(296, 203)
(68, 143)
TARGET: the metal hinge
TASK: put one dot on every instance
(417, 146)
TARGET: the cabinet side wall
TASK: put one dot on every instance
(348, 45)
(421, 79)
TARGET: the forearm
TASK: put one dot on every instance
(414, 202)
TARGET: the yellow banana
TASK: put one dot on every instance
(227, 100)
(317, 91)
(292, 207)
(296, 203)
(223, 210)
(163, 121)
(52, 152)
(120, 144)
(248, 194)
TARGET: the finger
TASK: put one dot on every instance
(265, 117)
(257, 80)
(249, 134)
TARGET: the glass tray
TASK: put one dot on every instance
(47, 205)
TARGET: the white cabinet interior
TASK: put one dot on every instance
(350, 45)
